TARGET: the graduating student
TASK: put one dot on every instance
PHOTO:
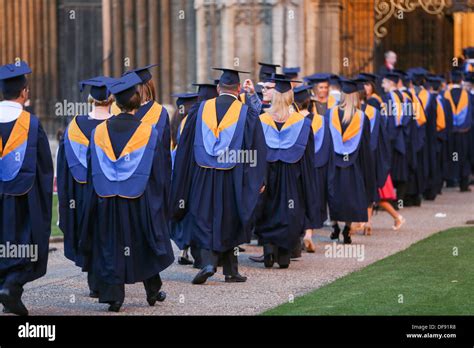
(352, 179)
(324, 158)
(468, 53)
(398, 128)
(292, 73)
(288, 200)
(184, 103)
(462, 106)
(125, 232)
(379, 146)
(372, 97)
(443, 124)
(432, 149)
(322, 101)
(265, 72)
(418, 166)
(72, 169)
(26, 189)
(215, 194)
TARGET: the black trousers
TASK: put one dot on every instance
(109, 293)
(228, 259)
(281, 256)
(196, 254)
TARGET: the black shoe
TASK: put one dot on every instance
(258, 259)
(115, 306)
(335, 233)
(160, 296)
(284, 266)
(6, 310)
(203, 274)
(12, 304)
(197, 265)
(184, 261)
(94, 294)
(269, 255)
(346, 235)
(237, 278)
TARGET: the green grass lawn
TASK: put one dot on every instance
(55, 231)
(431, 280)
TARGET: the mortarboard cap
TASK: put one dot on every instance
(348, 86)
(98, 87)
(124, 88)
(291, 72)
(468, 52)
(282, 84)
(394, 77)
(434, 81)
(370, 77)
(206, 91)
(12, 76)
(230, 76)
(185, 98)
(144, 72)
(302, 93)
(334, 79)
(457, 74)
(266, 70)
(317, 78)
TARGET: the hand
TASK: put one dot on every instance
(249, 87)
(262, 189)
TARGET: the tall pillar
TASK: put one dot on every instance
(463, 31)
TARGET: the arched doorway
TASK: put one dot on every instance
(419, 39)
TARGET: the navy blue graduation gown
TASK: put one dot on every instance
(380, 148)
(417, 157)
(352, 179)
(323, 160)
(126, 240)
(288, 204)
(432, 148)
(216, 207)
(25, 198)
(399, 133)
(460, 139)
(71, 179)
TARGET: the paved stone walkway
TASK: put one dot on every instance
(63, 291)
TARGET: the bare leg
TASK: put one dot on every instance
(399, 220)
(308, 241)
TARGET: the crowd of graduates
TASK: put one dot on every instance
(271, 161)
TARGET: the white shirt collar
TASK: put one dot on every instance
(233, 96)
(9, 111)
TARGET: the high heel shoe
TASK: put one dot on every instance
(346, 233)
(336, 231)
(368, 229)
(399, 221)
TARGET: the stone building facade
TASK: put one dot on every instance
(68, 40)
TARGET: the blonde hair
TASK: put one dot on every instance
(349, 103)
(282, 105)
(147, 91)
(96, 102)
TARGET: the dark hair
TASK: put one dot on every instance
(304, 105)
(11, 95)
(233, 87)
(456, 80)
(132, 104)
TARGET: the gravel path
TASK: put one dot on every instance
(63, 291)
